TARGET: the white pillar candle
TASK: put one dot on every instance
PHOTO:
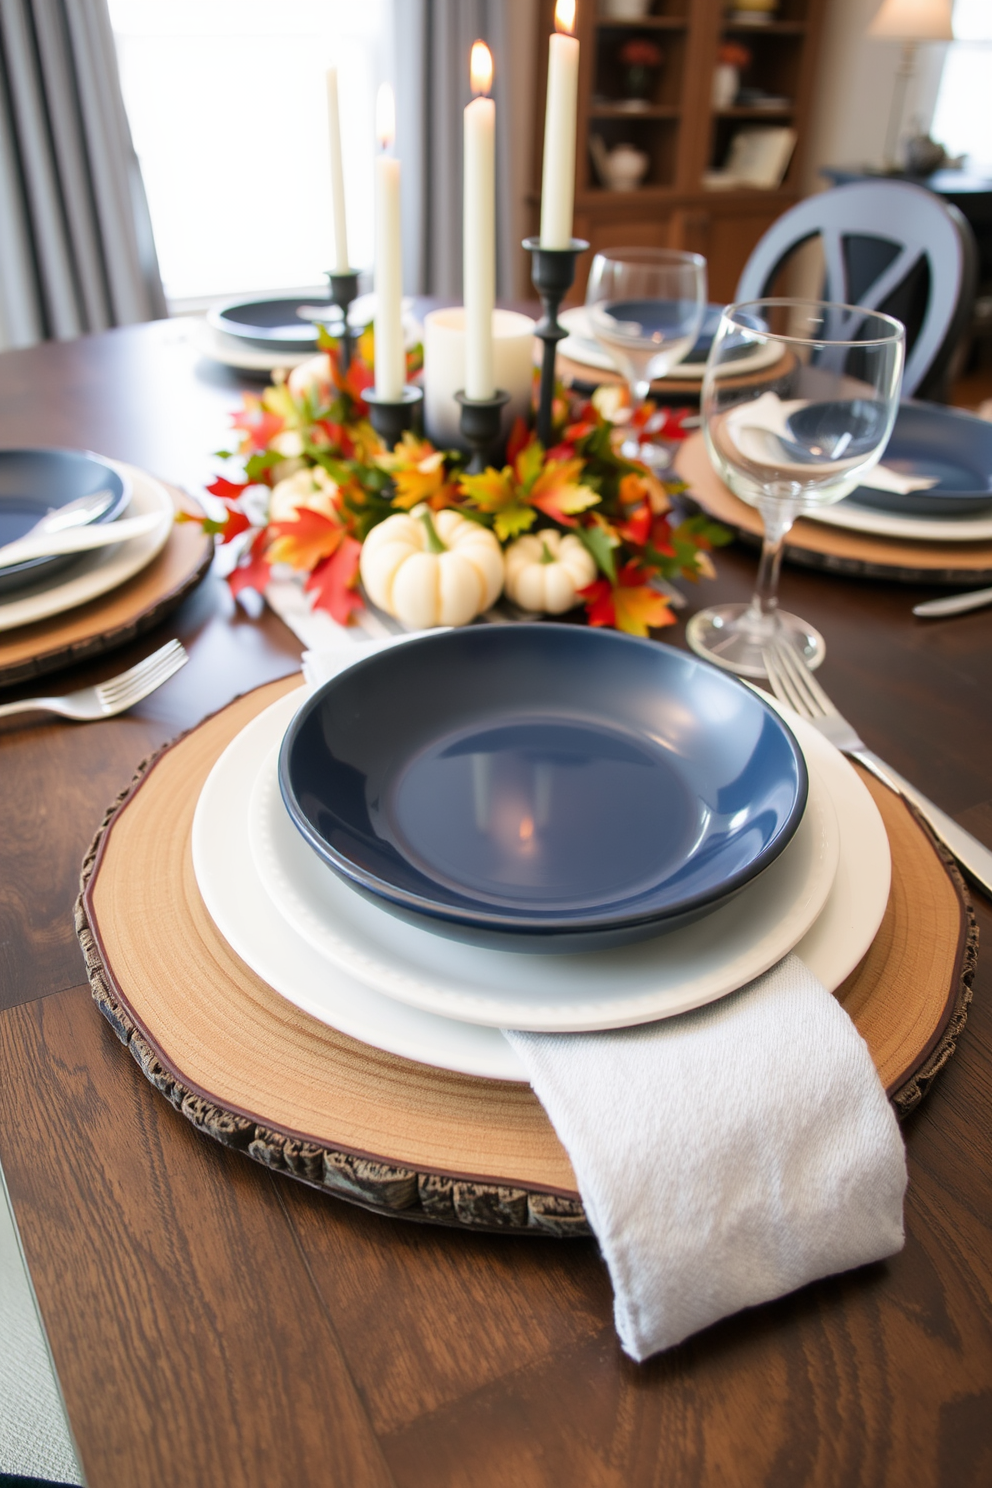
(444, 370)
(558, 178)
(339, 261)
(390, 356)
(479, 229)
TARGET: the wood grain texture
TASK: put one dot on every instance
(182, 1318)
(183, 1276)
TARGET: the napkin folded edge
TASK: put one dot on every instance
(695, 1226)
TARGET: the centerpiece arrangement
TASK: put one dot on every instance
(337, 483)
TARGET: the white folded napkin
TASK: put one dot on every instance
(751, 424)
(727, 1156)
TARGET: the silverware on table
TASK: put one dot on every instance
(50, 544)
(953, 604)
(113, 696)
(793, 683)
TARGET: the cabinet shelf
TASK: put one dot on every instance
(773, 28)
(780, 111)
(656, 111)
(643, 23)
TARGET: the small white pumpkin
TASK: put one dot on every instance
(432, 568)
(545, 570)
(312, 488)
(313, 376)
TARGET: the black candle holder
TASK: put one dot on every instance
(481, 426)
(388, 418)
(344, 289)
(552, 274)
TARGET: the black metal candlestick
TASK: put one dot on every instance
(552, 274)
(481, 426)
(344, 289)
(389, 418)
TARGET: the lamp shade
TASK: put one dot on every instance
(914, 20)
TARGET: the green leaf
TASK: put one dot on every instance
(513, 520)
(224, 454)
(258, 466)
(599, 545)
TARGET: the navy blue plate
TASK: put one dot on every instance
(274, 325)
(931, 440)
(34, 482)
(546, 787)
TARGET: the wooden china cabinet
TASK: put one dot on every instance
(677, 126)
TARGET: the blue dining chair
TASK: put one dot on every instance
(888, 246)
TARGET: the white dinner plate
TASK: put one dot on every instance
(98, 572)
(892, 524)
(580, 345)
(637, 983)
(249, 920)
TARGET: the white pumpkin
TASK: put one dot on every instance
(311, 488)
(432, 568)
(545, 570)
(313, 376)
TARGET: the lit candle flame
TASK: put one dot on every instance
(385, 116)
(481, 68)
(526, 829)
(565, 16)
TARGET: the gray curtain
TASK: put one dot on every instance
(432, 40)
(76, 246)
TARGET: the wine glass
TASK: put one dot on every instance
(799, 437)
(646, 308)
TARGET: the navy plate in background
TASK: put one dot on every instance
(274, 325)
(931, 440)
(547, 787)
(33, 482)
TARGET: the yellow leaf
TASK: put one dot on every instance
(513, 520)
(490, 491)
(640, 609)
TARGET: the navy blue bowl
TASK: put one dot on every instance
(931, 440)
(272, 325)
(34, 482)
(542, 787)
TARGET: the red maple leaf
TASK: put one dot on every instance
(357, 380)
(227, 490)
(234, 524)
(304, 542)
(334, 582)
(255, 573)
(598, 598)
(661, 536)
(637, 526)
(520, 437)
(259, 426)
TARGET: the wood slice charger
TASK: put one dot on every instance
(817, 545)
(255, 1073)
(114, 618)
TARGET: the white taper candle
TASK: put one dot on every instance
(558, 177)
(390, 356)
(339, 263)
(479, 230)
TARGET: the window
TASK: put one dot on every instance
(227, 105)
(962, 120)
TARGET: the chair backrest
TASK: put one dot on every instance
(888, 246)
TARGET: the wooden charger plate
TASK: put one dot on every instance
(816, 545)
(115, 618)
(255, 1073)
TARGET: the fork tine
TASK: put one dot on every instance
(136, 683)
(795, 664)
(782, 684)
(115, 686)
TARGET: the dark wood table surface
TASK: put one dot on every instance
(215, 1324)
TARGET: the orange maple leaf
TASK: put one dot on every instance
(640, 610)
(558, 493)
(303, 543)
(258, 426)
(255, 573)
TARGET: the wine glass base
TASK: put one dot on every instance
(729, 637)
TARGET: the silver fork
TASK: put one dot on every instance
(113, 696)
(793, 682)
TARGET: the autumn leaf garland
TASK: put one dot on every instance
(316, 421)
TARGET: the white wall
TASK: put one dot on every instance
(856, 76)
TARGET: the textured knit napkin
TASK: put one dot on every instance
(727, 1156)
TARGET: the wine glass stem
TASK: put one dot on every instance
(778, 517)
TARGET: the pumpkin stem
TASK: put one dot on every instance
(434, 543)
(546, 554)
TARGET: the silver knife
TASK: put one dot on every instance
(954, 604)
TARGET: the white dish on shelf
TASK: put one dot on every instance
(99, 572)
(248, 918)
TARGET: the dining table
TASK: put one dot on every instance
(213, 1323)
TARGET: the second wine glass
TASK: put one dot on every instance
(646, 309)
